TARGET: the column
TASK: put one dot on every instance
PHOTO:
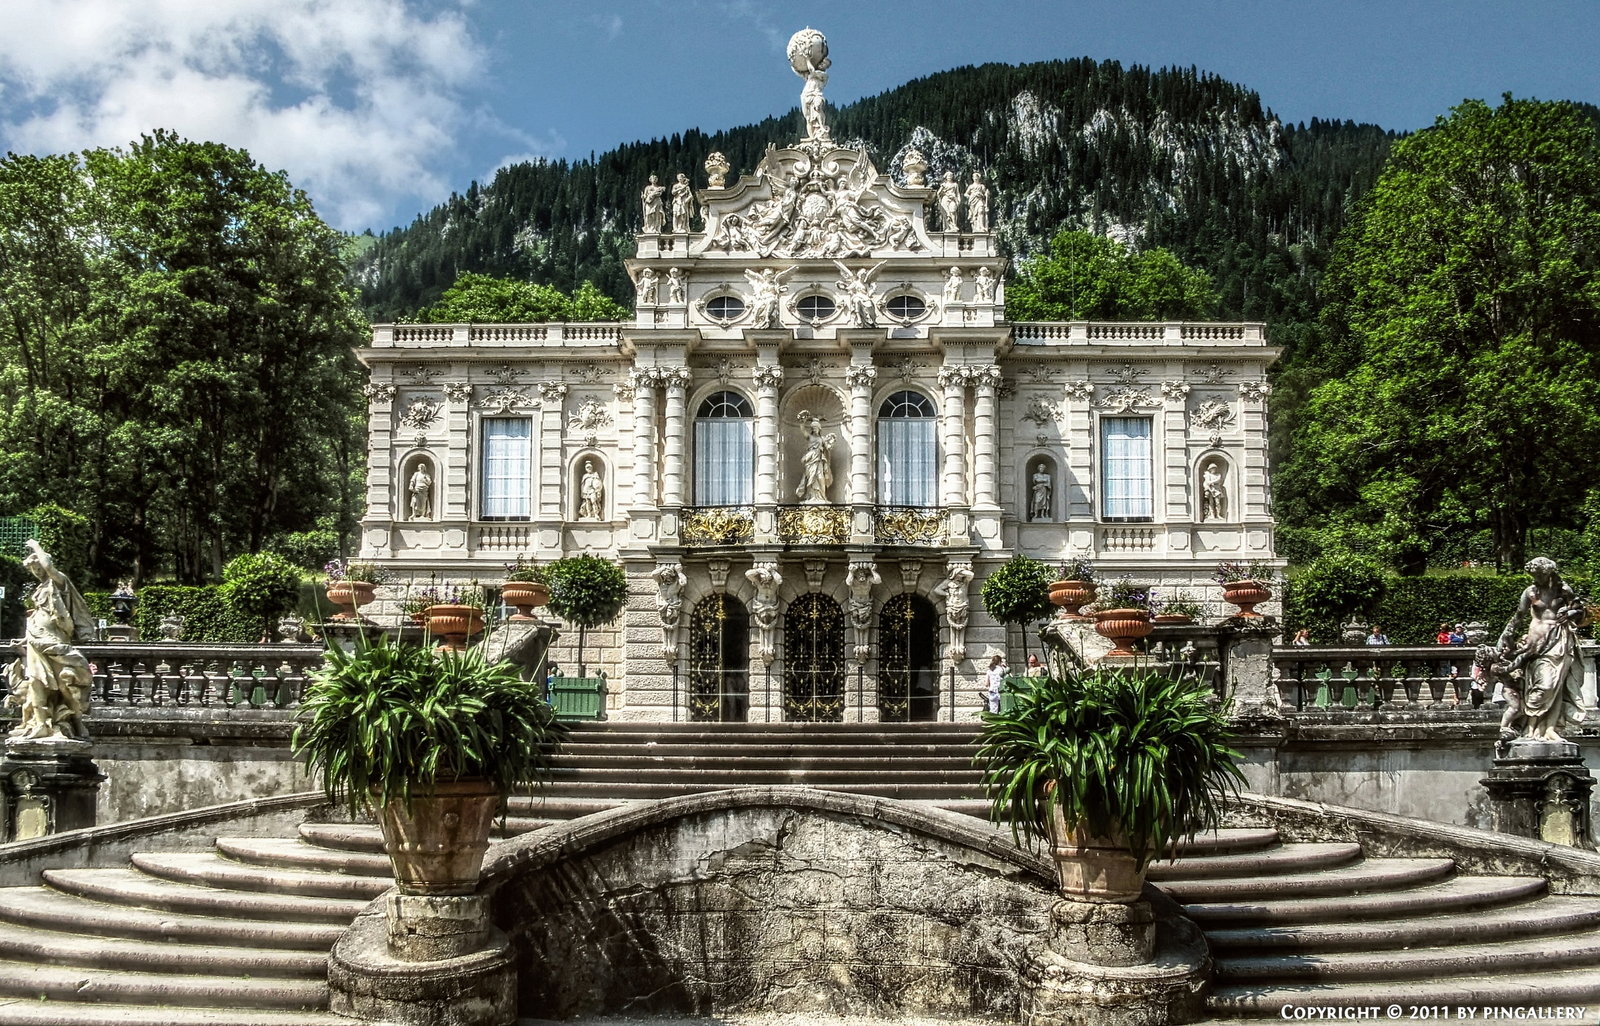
(860, 378)
(644, 438)
(984, 440)
(672, 453)
(953, 381)
(768, 376)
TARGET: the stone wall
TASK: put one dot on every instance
(780, 899)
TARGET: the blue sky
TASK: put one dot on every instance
(381, 108)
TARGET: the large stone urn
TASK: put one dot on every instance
(525, 596)
(1072, 596)
(349, 596)
(1246, 595)
(1122, 627)
(1089, 867)
(436, 842)
(455, 623)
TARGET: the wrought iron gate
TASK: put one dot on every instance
(813, 659)
(719, 660)
(908, 660)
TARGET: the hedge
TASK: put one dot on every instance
(206, 616)
(1415, 606)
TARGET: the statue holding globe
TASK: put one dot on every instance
(808, 56)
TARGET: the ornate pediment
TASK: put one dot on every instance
(813, 200)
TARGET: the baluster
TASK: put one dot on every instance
(210, 683)
(1438, 681)
(1324, 677)
(235, 693)
(135, 688)
(255, 677)
(170, 682)
(1348, 695)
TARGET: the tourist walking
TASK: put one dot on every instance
(997, 678)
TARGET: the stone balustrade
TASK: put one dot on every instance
(1157, 332)
(150, 677)
(428, 336)
(1373, 678)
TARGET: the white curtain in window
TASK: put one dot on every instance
(507, 450)
(724, 461)
(908, 461)
(1126, 470)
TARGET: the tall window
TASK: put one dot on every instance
(507, 462)
(908, 455)
(724, 451)
(1127, 473)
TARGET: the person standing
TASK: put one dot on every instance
(1377, 637)
(997, 679)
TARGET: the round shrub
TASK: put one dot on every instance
(261, 585)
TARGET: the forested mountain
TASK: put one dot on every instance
(1172, 158)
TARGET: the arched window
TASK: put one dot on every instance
(908, 455)
(724, 451)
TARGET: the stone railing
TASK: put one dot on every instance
(1143, 333)
(541, 335)
(153, 676)
(1378, 677)
(910, 525)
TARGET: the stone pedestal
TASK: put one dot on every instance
(124, 632)
(1102, 933)
(1247, 663)
(46, 787)
(369, 981)
(1540, 789)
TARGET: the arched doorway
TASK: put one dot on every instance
(908, 660)
(719, 660)
(813, 659)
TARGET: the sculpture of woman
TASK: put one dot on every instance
(1213, 497)
(591, 494)
(860, 300)
(978, 203)
(682, 204)
(655, 215)
(816, 466)
(420, 493)
(1043, 485)
(50, 680)
(766, 295)
(1552, 672)
(949, 197)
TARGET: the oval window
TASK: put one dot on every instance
(815, 308)
(905, 307)
(725, 308)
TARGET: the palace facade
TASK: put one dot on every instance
(813, 442)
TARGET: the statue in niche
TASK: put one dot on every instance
(1213, 493)
(953, 589)
(978, 203)
(648, 285)
(983, 286)
(1542, 673)
(949, 199)
(764, 607)
(808, 56)
(655, 214)
(419, 493)
(50, 680)
(766, 295)
(861, 579)
(675, 290)
(682, 204)
(669, 580)
(591, 494)
(1041, 492)
(953, 281)
(860, 298)
(816, 466)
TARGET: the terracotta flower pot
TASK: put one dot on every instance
(1092, 868)
(1171, 620)
(455, 624)
(436, 843)
(1246, 595)
(349, 596)
(1121, 626)
(525, 595)
(1072, 596)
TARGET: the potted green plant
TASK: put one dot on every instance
(586, 591)
(1122, 616)
(351, 585)
(432, 741)
(456, 615)
(1074, 587)
(1017, 592)
(524, 588)
(1175, 611)
(1112, 766)
(1244, 585)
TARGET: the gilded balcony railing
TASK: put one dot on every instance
(814, 524)
(718, 525)
(910, 525)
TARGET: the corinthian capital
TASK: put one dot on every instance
(860, 376)
(768, 376)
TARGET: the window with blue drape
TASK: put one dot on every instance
(507, 486)
(1127, 470)
(724, 451)
(908, 451)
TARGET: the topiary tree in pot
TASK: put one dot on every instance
(1112, 766)
(587, 591)
(431, 740)
(261, 585)
(1018, 592)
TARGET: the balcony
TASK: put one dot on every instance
(711, 526)
(812, 525)
(910, 525)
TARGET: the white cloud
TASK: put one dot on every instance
(361, 101)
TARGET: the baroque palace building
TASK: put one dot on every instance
(814, 441)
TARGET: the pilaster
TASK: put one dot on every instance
(644, 438)
(953, 381)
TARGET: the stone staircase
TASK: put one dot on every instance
(240, 934)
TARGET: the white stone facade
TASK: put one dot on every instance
(819, 381)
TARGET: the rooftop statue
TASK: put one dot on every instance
(1541, 672)
(808, 56)
(50, 679)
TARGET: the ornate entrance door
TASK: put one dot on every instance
(719, 660)
(813, 659)
(908, 660)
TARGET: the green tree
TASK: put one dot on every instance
(587, 591)
(590, 304)
(1018, 592)
(1083, 276)
(484, 299)
(1338, 583)
(1469, 292)
(261, 585)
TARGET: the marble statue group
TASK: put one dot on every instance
(50, 679)
(1540, 673)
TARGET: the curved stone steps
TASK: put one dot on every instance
(287, 853)
(22, 980)
(131, 887)
(1573, 987)
(1544, 917)
(1527, 954)
(636, 790)
(48, 909)
(52, 947)
(1278, 861)
(1226, 841)
(1358, 878)
(1460, 894)
(207, 869)
(33, 1012)
(368, 839)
